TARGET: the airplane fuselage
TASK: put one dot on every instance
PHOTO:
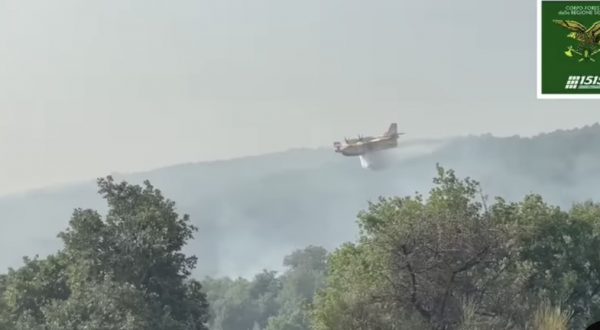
(361, 148)
(366, 148)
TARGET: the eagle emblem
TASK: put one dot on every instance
(588, 39)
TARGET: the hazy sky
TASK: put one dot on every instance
(91, 87)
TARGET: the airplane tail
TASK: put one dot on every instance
(392, 131)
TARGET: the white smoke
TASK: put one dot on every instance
(382, 159)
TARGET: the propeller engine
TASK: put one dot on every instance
(337, 146)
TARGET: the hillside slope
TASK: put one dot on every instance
(252, 211)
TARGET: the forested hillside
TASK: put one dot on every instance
(253, 211)
(450, 259)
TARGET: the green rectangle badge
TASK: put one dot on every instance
(568, 49)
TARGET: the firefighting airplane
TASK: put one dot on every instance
(367, 146)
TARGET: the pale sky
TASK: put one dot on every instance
(92, 87)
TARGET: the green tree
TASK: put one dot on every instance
(452, 262)
(416, 262)
(126, 271)
(557, 254)
(306, 274)
(269, 301)
(232, 306)
(33, 286)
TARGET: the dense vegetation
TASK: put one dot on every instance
(269, 301)
(453, 259)
(122, 272)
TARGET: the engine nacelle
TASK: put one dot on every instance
(337, 146)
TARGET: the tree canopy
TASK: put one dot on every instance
(122, 271)
(269, 301)
(451, 261)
